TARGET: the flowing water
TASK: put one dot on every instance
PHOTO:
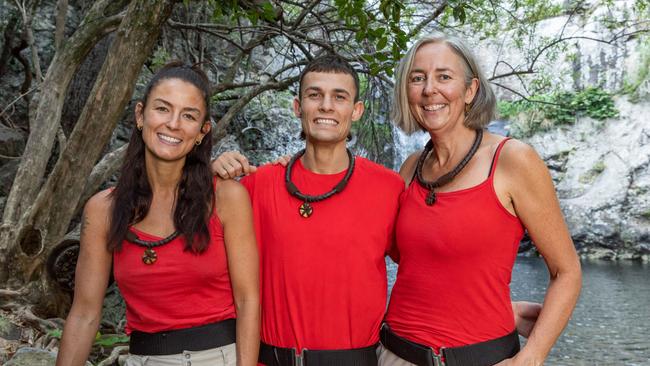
(611, 323)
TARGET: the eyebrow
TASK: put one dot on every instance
(320, 90)
(187, 109)
(440, 69)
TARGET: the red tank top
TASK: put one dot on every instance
(456, 259)
(323, 278)
(180, 290)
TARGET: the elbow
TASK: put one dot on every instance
(249, 301)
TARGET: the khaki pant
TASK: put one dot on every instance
(388, 358)
(221, 356)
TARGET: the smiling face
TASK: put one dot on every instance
(327, 107)
(436, 89)
(172, 120)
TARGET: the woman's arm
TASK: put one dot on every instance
(91, 278)
(234, 210)
(528, 184)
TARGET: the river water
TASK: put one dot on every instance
(611, 323)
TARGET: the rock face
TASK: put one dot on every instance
(602, 175)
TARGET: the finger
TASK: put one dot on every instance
(284, 160)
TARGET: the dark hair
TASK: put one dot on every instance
(330, 63)
(132, 195)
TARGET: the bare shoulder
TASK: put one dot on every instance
(408, 166)
(100, 204)
(230, 190)
(230, 196)
(520, 163)
(519, 155)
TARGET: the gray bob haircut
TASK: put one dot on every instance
(481, 109)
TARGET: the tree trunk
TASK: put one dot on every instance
(44, 223)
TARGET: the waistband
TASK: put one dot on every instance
(175, 341)
(279, 356)
(478, 354)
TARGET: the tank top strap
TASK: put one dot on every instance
(495, 158)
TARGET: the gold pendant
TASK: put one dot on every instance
(305, 210)
(149, 256)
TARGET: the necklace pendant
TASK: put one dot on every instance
(305, 210)
(431, 198)
(150, 256)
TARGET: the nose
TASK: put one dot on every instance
(326, 104)
(174, 121)
(430, 87)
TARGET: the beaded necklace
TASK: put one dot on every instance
(306, 209)
(150, 256)
(431, 196)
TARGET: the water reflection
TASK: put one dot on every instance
(611, 323)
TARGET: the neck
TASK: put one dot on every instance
(163, 176)
(451, 146)
(325, 159)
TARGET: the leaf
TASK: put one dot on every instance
(382, 43)
(109, 340)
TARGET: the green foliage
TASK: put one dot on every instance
(110, 340)
(544, 111)
(55, 333)
(159, 58)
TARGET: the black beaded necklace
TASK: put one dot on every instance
(431, 197)
(150, 256)
(305, 210)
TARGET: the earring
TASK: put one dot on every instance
(139, 127)
(198, 142)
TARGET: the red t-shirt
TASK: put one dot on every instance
(323, 278)
(180, 290)
(456, 259)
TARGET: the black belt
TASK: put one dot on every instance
(278, 356)
(176, 341)
(479, 354)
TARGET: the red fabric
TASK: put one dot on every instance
(323, 278)
(180, 290)
(456, 259)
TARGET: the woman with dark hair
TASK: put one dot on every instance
(181, 245)
(470, 195)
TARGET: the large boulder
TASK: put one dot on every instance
(602, 175)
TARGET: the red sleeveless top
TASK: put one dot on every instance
(456, 259)
(181, 289)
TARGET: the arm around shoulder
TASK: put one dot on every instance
(91, 278)
(234, 209)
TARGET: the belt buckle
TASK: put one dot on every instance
(299, 358)
(437, 358)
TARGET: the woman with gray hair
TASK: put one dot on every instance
(470, 197)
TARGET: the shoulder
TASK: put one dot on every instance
(379, 173)
(519, 163)
(229, 190)
(516, 154)
(101, 203)
(408, 166)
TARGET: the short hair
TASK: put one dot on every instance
(330, 63)
(481, 109)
